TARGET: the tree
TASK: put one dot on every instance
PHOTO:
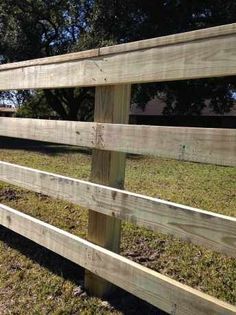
(33, 29)
(35, 107)
(38, 28)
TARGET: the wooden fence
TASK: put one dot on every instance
(199, 54)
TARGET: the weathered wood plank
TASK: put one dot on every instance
(57, 131)
(206, 145)
(155, 288)
(54, 59)
(199, 58)
(108, 168)
(215, 231)
(206, 33)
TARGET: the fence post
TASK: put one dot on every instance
(108, 168)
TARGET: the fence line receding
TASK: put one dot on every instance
(198, 54)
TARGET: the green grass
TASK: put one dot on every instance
(36, 281)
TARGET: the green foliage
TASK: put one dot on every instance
(35, 107)
(39, 28)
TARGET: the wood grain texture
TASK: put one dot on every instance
(174, 39)
(159, 290)
(57, 131)
(199, 58)
(54, 59)
(215, 231)
(108, 168)
(206, 33)
(205, 145)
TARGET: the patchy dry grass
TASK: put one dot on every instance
(36, 281)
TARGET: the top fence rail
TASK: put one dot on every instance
(197, 54)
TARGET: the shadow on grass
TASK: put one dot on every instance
(48, 148)
(120, 300)
(40, 147)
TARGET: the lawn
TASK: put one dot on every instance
(37, 281)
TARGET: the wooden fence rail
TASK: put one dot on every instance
(170, 295)
(213, 230)
(198, 54)
(206, 145)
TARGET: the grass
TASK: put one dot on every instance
(36, 281)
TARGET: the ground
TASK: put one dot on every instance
(37, 281)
